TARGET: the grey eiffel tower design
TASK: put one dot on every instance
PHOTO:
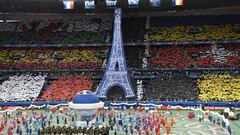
(116, 73)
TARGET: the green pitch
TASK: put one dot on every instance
(184, 126)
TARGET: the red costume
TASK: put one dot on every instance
(163, 122)
(168, 129)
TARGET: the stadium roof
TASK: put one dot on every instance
(57, 6)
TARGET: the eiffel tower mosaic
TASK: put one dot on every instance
(116, 73)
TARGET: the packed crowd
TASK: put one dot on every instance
(194, 28)
(206, 86)
(134, 56)
(51, 58)
(22, 87)
(87, 29)
(219, 87)
(92, 29)
(207, 56)
(191, 56)
(170, 86)
(195, 33)
(193, 20)
(64, 58)
(66, 87)
(133, 29)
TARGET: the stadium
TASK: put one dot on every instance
(111, 67)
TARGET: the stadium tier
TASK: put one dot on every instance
(66, 87)
(97, 30)
(63, 58)
(190, 56)
(194, 28)
(171, 86)
(207, 56)
(222, 87)
(85, 30)
(168, 86)
(45, 58)
(22, 87)
(111, 67)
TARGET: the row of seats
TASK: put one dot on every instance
(195, 33)
(87, 29)
(22, 87)
(68, 38)
(98, 29)
(180, 86)
(194, 56)
(48, 58)
(63, 58)
(34, 87)
(160, 56)
(170, 86)
(166, 21)
(134, 56)
(219, 87)
(194, 28)
(133, 29)
(66, 87)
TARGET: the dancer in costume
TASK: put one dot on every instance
(167, 129)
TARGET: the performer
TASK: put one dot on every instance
(1, 127)
(167, 129)
(173, 123)
(9, 132)
(146, 131)
(200, 117)
(139, 131)
(157, 130)
(218, 123)
(163, 122)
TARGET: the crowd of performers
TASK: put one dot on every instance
(132, 122)
(75, 130)
(107, 121)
